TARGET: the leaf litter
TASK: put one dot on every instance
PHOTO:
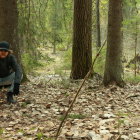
(99, 113)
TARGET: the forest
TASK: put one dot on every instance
(69, 70)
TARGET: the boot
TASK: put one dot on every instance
(10, 98)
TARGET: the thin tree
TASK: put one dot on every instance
(82, 39)
(98, 24)
(136, 36)
(113, 65)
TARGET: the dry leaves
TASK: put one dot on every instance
(99, 113)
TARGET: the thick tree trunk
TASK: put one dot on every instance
(98, 24)
(113, 66)
(9, 25)
(82, 39)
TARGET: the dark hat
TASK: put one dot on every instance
(4, 46)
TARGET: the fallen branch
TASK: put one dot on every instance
(78, 91)
(132, 96)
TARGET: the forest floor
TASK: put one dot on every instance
(99, 113)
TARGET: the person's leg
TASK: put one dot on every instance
(9, 80)
(0, 82)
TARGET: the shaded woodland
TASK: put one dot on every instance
(81, 69)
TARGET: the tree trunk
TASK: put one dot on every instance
(9, 25)
(136, 36)
(82, 39)
(54, 47)
(113, 65)
(98, 24)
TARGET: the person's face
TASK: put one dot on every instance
(3, 53)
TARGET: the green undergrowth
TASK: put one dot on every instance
(66, 60)
(100, 62)
(1, 131)
(132, 79)
(31, 63)
(41, 136)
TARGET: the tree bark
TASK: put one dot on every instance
(98, 24)
(9, 25)
(82, 39)
(113, 65)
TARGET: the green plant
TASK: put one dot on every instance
(125, 114)
(132, 79)
(23, 104)
(1, 131)
(121, 119)
(29, 62)
(66, 94)
(21, 130)
(40, 135)
(119, 123)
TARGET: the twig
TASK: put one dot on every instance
(132, 96)
(117, 138)
(78, 91)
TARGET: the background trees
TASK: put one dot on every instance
(41, 28)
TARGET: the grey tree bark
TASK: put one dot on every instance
(113, 65)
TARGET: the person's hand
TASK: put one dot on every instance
(16, 89)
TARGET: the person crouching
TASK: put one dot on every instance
(10, 71)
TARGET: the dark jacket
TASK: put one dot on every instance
(9, 65)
